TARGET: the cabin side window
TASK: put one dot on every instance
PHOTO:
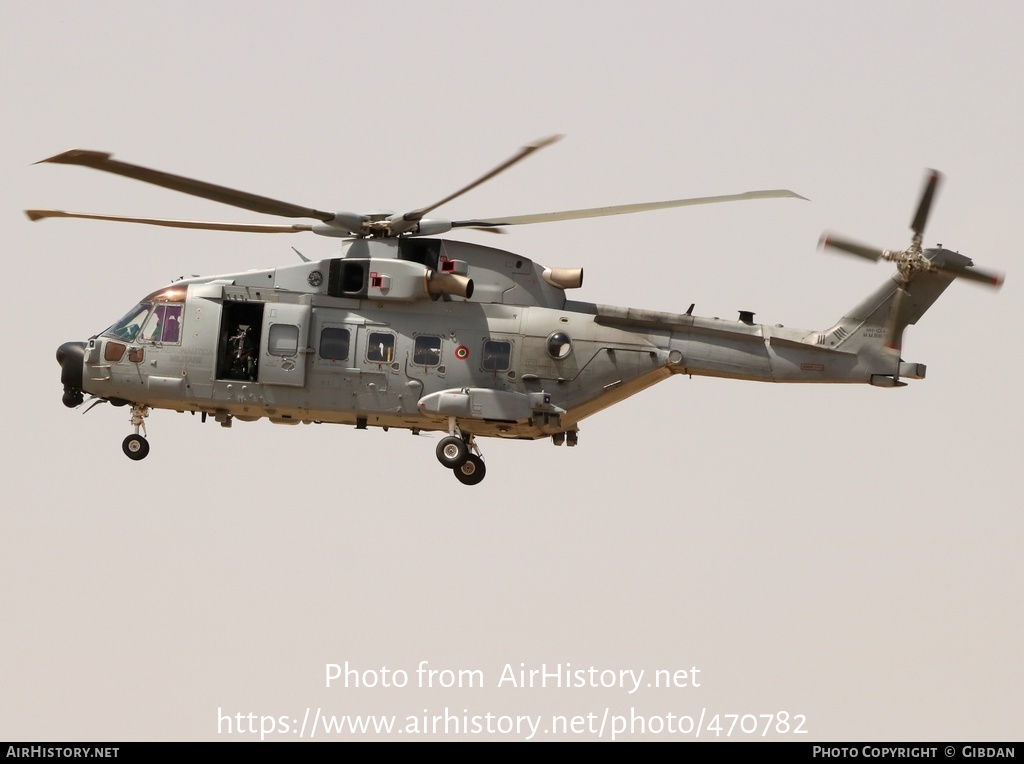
(497, 355)
(334, 343)
(380, 347)
(427, 351)
(283, 340)
(559, 345)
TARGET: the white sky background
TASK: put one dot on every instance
(847, 553)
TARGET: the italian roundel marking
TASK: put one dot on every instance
(462, 352)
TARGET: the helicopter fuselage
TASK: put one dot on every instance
(361, 340)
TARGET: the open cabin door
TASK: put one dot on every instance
(284, 344)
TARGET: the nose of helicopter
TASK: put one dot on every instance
(71, 357)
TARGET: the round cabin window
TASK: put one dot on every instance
(559, 345)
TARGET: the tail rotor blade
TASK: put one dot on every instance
(925, 205)
(850, 247)
(988, 278)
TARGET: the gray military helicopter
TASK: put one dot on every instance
(427, 334)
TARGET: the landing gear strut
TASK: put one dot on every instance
(459, 453)
(136, 446)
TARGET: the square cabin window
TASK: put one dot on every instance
(334, 343)
(283, 340)
(427, 351)
(380, 347)
(497, 355)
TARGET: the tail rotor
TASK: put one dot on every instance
(914, 260)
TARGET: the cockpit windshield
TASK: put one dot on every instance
(128, 327)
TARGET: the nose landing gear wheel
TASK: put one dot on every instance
(471, 471)
(452, 452)
(135, 447)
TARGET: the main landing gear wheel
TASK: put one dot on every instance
(452, 452)
(135, 447)
(471, 471)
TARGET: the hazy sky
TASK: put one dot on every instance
(850, 555)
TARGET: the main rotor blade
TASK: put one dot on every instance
(99, 160)
(622, 209)
(927, 195)
(851, 247)
(524, 152)
(35, 215)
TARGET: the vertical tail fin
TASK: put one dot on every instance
(878, 321)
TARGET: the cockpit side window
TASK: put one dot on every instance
(163, 325)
